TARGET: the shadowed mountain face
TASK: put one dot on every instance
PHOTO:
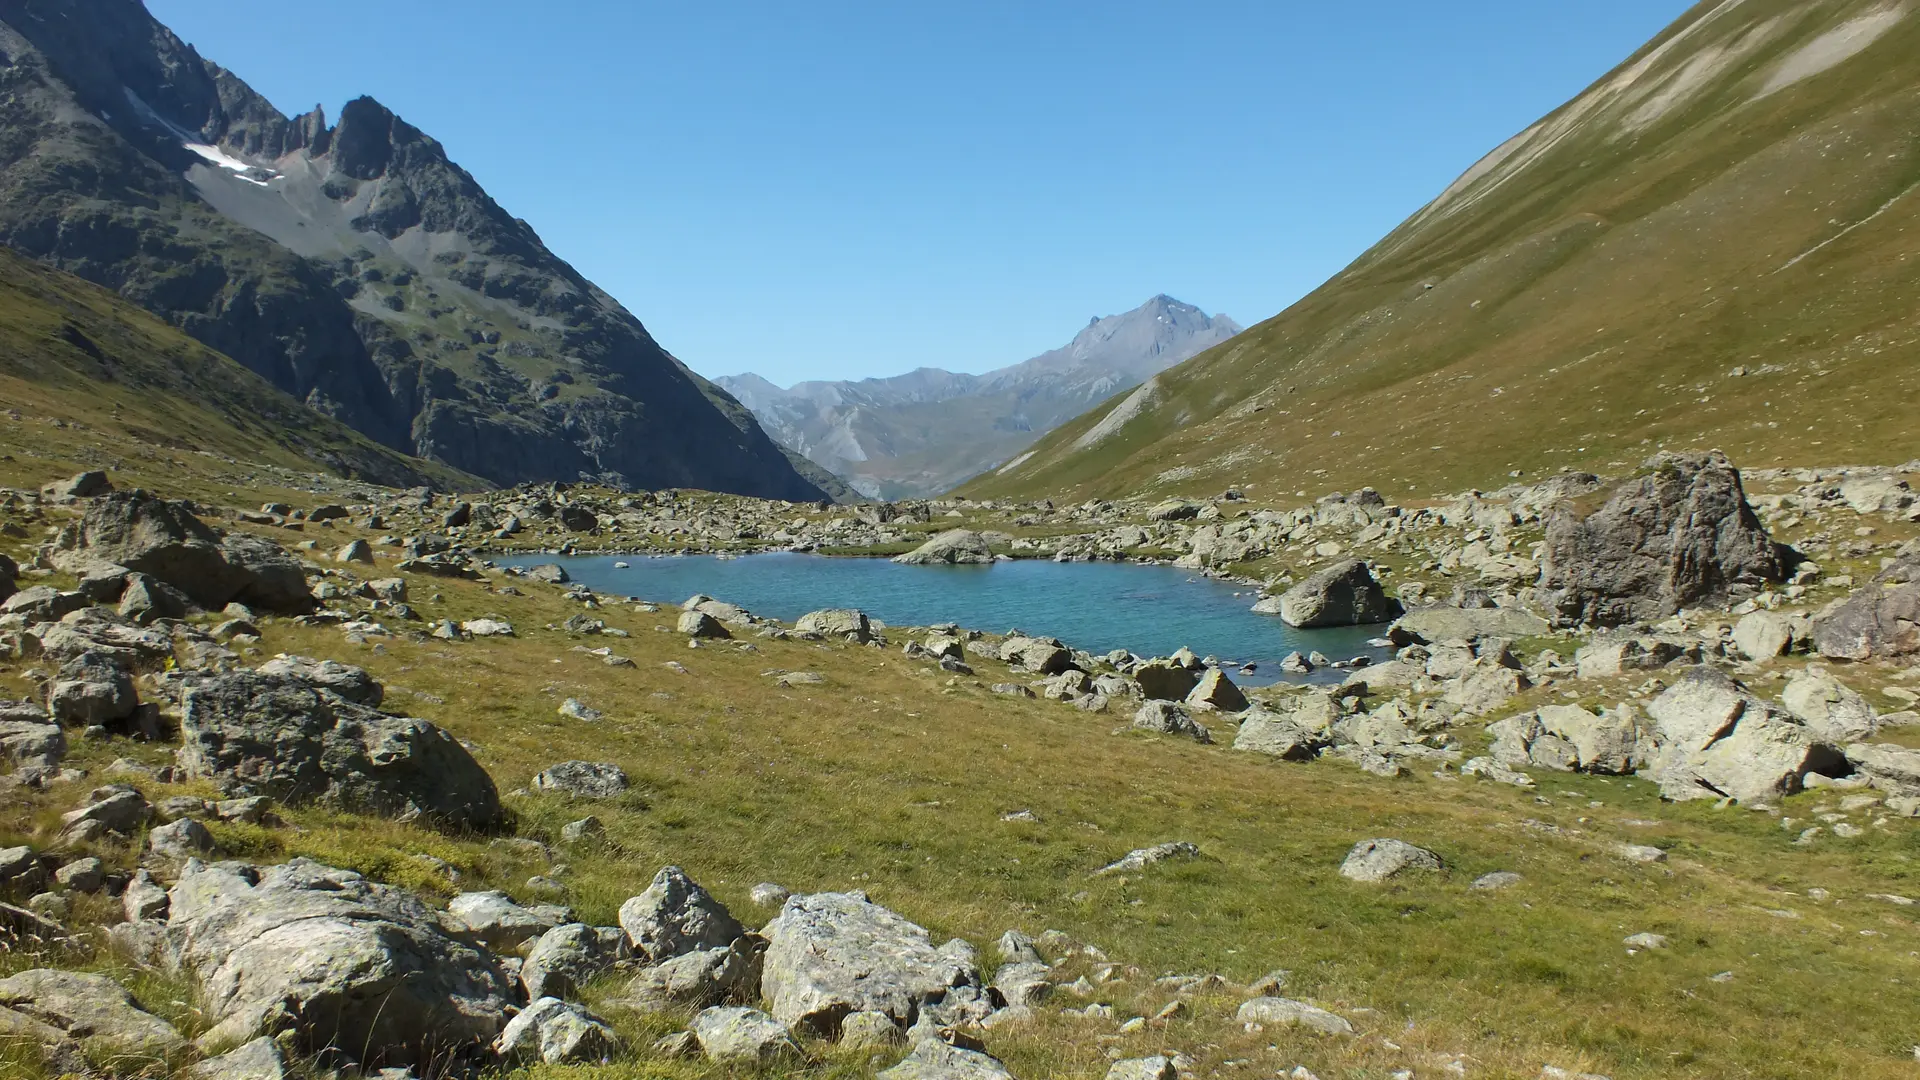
(1712, 246)
(353, 266)
(921, 433)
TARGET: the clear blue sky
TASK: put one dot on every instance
(837, 189)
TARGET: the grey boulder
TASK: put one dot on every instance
(1717, 740)
(496, 920)
(841, 623)
(28, 736)
(1567, 738)
(342, 680)
(261, 1059)
(832, 954)
(742, 1035)
(557, 1033)
(1170, 718)
(92, 689)
(933, 1059)
(1344, 594)
(334, 959)
(955, 547)
(1680, 535)
(153, 536)
(583, 779)
(675, 916)
(296, 743)
(699, 978)
(570, 956)
(52, 1007)
(1878, 622)
(1374, 861)
(1285, 1011)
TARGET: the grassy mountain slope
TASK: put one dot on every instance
(127, 389)
(1709, 246)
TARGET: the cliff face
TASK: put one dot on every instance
(352, 265)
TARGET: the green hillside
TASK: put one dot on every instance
(1708, 247)
(95, 381)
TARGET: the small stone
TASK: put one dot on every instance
(1645, 942)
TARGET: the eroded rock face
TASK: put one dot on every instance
(335, 959)
(1679, 536)
(833, 954)
(1879, 622)
(289, 740)
(1717, 740)
(1344, 594)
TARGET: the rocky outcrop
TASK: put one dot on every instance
(283, 737)
(1678, 536)
(1344, 594)
(1879, 622)
(334, 960)
(95, 1013)
(833, 954)
(955, 547)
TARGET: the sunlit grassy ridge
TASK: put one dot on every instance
(1670, 259)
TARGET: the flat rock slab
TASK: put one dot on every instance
(1377, 860)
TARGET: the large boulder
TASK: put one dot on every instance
(842, 623)
(54, 1007)
(336, 961)
(1715, 740)
(1831, 709)
(1165, 680)
(286, 738)
(955, 547)
(499, 922)
(1042, 656)
(1680, 535)
(92, 688)
(1344, 594)
(1879, 622)
(675, 916)
(833, 954)
(151, 535)
(699, 978)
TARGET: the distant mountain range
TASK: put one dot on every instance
(352, 266)
(1712, 246)
(924, 432)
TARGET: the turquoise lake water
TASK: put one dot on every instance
(1150, 610)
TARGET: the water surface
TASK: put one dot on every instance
(1149, 610)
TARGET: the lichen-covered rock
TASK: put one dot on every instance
(91, 1010)
(570, 956)
(336, 960)
(557, 1033)
(92, 689)
(1276, 1010)
(29, 738)
(1678, 536)
(675, 916)
(1374, 861)
(154, 536)
(285, 738)
(699, 978)
(1567, 738)
(742, 1035)
(583, 779)
(832, 954)
(343, 680)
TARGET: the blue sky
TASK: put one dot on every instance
(841, 189)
